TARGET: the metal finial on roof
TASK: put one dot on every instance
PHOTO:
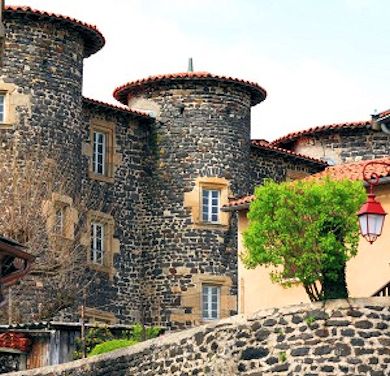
(190, 65)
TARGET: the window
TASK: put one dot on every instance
(97, 243)
(2, 108)
(210, 302)
(59, 221)
(204, 201)
(210, 205)
(99, 153)
(100, 243)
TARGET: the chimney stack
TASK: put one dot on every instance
(190, 64)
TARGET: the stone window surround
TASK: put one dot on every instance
(193, 201)
(192, 298)
(50, 208)
(111, 244)
(98, 316)
(11, 101)
(113, 159)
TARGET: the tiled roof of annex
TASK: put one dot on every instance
(319, 129)
(353, 171)
(265, 145)
(93, 38)
(124, 92)
(112, 107)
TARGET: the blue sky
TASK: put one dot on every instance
(321, 61)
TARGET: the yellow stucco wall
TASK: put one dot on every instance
(366, 273)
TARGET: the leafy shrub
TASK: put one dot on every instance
(112, 345)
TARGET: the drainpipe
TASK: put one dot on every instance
(2, 32)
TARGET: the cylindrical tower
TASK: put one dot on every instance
(40, 119)
(201, 147)
(41, 81)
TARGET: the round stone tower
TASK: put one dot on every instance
(200, 147)
(41, 80)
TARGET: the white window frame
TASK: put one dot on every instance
(59, 221)
(208, 293)
(99, 160)
(208, 196)
(97, 253)
(3, 105)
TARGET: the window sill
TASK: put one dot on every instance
(102, 178)
(210, 226)
(6, 125)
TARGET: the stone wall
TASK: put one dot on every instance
(341, 146)
(337, 338)
(267, 164)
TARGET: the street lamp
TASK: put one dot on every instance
(372, 215)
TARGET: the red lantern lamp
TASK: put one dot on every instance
(371, 219)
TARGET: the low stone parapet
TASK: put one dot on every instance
(341, 337)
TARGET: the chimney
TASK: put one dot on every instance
(190, 64)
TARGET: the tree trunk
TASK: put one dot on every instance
(335, 288)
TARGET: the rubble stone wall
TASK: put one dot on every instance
(336, 338)
(348, 145)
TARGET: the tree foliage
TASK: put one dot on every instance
(305, 230)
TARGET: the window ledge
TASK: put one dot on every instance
(6, 125)
(102, 178)
(210, 226)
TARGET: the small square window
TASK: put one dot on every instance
(97, 243)
(210, 205)
(99, 160)
(211, 302)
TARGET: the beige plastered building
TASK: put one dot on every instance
(368, 273)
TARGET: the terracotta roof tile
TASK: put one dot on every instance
(94, 102)
(266, 146)
(323, 128)
(351, 171)
(242, 201)
(123, 92)
(93, 38)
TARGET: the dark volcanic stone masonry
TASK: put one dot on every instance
(199, 133)
(336, 338)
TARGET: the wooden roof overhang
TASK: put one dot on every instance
(18, 261)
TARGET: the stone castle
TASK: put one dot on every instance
(162, 164)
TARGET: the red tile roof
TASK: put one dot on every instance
(323, 128)
(93, 38)
(262, 144)
(123, 92)
(240, 202)
(383, 114)
(94, 102)
(353, 171)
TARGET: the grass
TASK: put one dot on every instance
(112, 345)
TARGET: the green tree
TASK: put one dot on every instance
(306, 230)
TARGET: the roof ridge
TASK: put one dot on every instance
(93, 38)
(121, 92)
(286, 151)
(115, 107)
(321, 128)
